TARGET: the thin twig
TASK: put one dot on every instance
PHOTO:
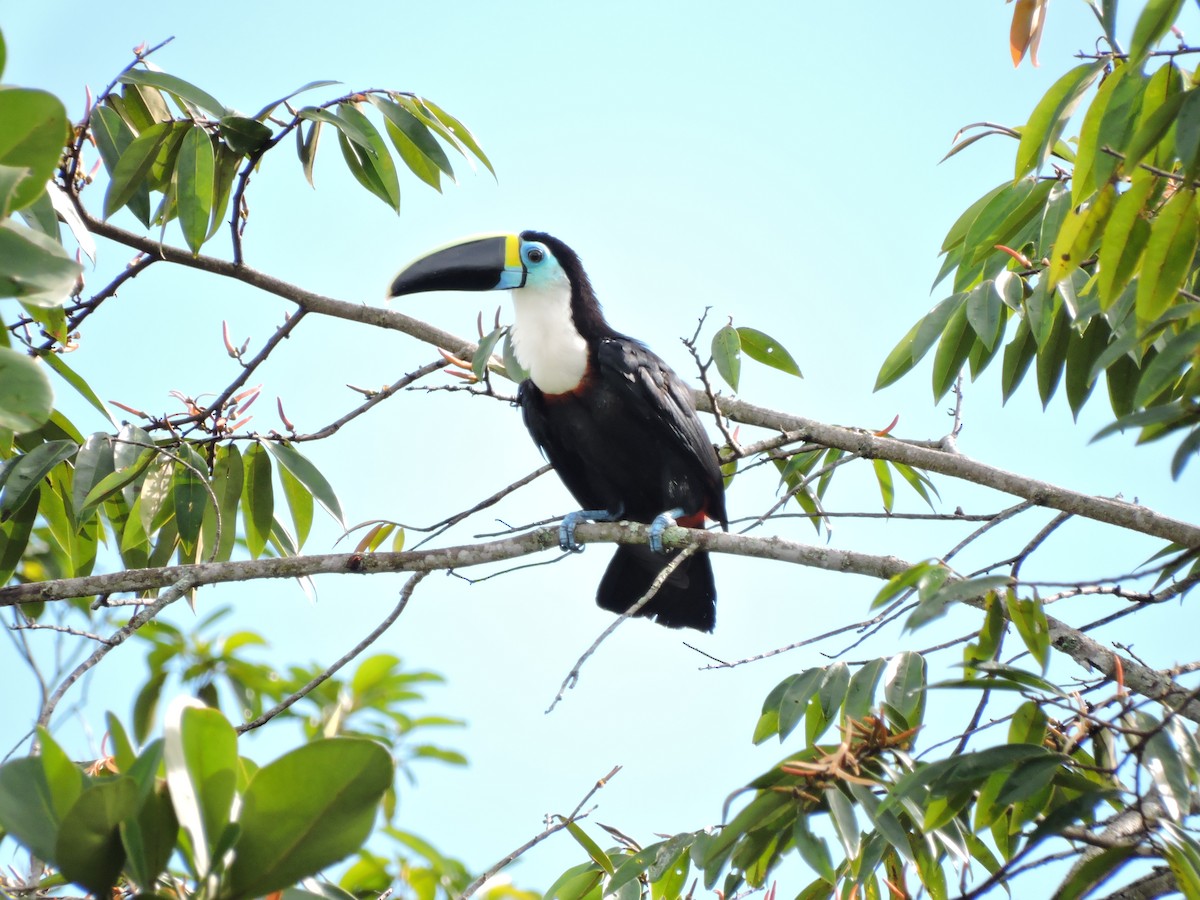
(573, 676)
(558, 826)
(118, 637)
(405, 593)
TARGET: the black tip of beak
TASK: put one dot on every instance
(472, 266)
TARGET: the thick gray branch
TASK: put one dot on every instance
(1102, 509)
(1087, 652)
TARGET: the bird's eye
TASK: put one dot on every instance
(535, 255)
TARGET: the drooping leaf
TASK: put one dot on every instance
(1123, 241)
(258, 499)
(1050, 116)
(1179, 351)
(1168, 256)
(727, 354)
(417, 147)
(308, 475)
(130, 173)
(93, 463)
(1152, 25)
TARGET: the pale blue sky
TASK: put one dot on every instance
(777, 163)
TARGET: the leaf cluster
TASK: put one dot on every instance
(1083, 266)
(240, 830)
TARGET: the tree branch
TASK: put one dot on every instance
(870, 446)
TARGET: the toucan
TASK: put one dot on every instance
(616, 423)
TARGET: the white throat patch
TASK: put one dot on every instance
(545, 339)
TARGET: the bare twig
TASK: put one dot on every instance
(573, 676)
(554, 828)
(118, 637)
(405, 594)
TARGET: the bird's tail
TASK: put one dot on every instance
(687, 599)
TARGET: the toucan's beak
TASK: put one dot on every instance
(477, 264)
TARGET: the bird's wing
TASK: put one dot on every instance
(659, 397)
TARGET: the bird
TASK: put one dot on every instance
(616, 423)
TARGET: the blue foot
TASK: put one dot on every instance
(661, 523)
(566, 530)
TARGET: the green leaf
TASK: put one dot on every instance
(369, 162)
(35, 130)
(845, 825)
(26, 398)
(1050, 116)
(899, 361)
(1082, 352)
(1030, 619)
(93, 464)
(483, 353)
(793, 703)
(860, 695)
(1109, 123)
(225, 171)
(1123, 241)
(289, 457)
(185, 91)
(1052, 356)
(1168, 256)
(27, 807)
(904, 688)
(133, 168)
(1152, 25)
(887, 489)
(765, 349)
(305, 811)
(1178, 352)
(953, 349)
(1080, 235)
(591, 848)
(194, 170)
(306, 148)
(149, 838)
(986, 313)
(201, 763)
(1187, 134)
(727, 354)
(244, 136)
(35, 268)
(1155, 122)
(300, 504)
(63, 776)
(89, 850)
(258, 499)
(417, 147)
(190, 495)
(24, 476)
(459, 134)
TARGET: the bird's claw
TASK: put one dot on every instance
(566, 531)
(661, 523)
